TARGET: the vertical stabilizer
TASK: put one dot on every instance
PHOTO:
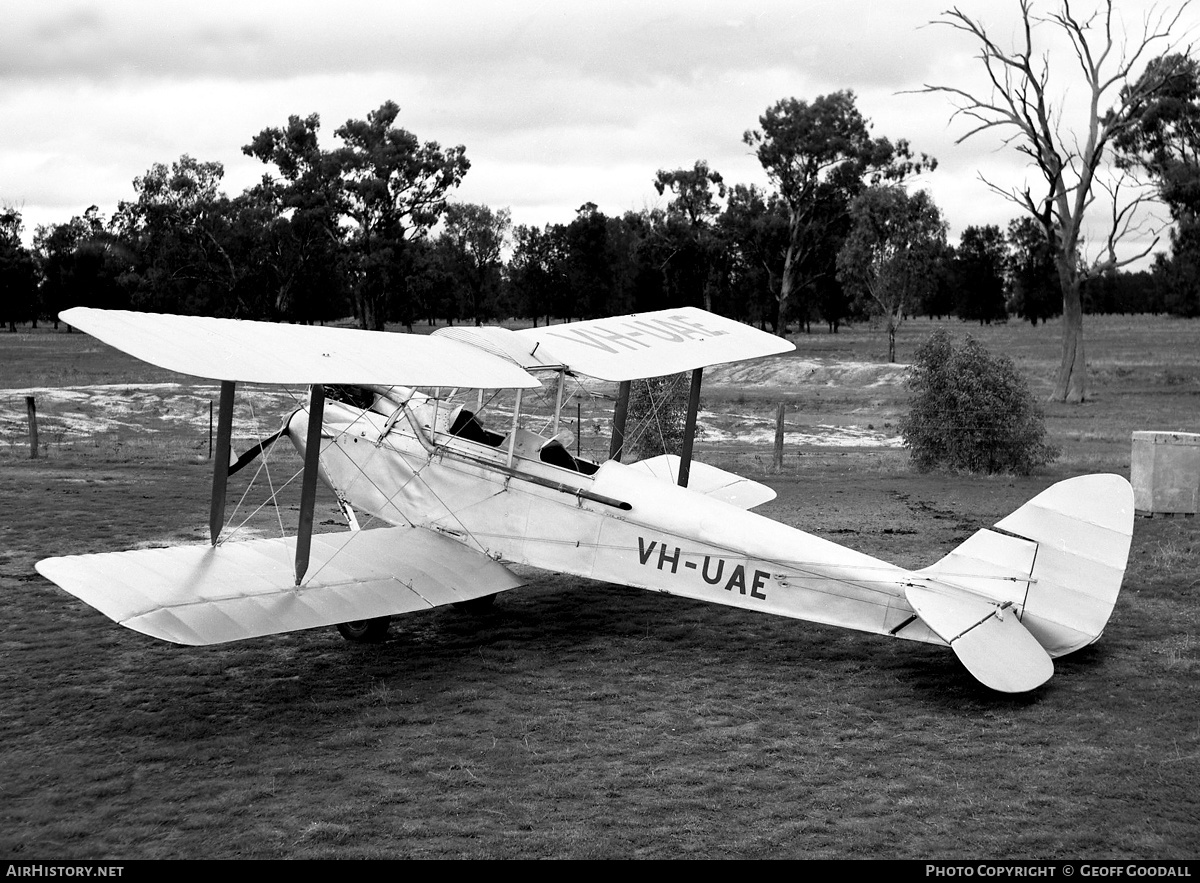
(1083, 528)
(1058, 560)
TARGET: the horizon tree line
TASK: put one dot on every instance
(368, 228)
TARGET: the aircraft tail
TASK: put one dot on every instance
(1059, 560)
(1057, 563)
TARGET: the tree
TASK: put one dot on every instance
(1035, 293)
(82, 264)
(1178, 278)
(658, 408)
(476, 236)
(1164, 135)
(819, 156)
(391, 187)
(308, 253)
(18, 274)
(177, 231)
(1165, 142)
(535, 270)
(888, 261)
(395, 189)
(588, 265)
(1070, 161)
(979, 264)
(693, 251)
(942, 296)
(754, 232)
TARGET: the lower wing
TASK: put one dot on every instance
(202, 594)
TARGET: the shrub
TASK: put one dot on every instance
(657, 414)
(972, 411)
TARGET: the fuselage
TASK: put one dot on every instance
(525, 500)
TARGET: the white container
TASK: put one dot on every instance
(1165, 472)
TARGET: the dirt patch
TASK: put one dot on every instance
(788, 373)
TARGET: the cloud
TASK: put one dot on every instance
(556, 103)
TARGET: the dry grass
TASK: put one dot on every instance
(581, 720)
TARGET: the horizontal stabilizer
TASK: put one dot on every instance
(709, 480)
(992, 564)
(271, 352)
(988, 639)
(202, 594)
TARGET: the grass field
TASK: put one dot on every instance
(584, 720)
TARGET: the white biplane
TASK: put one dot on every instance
(460, 498)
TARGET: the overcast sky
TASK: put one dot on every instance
(557, 103)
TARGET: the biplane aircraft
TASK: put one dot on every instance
(461, 498)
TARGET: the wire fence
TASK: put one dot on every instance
(176, 420)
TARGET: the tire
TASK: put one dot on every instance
(476, 606)
(365, 631)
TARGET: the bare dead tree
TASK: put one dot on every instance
(1071, 163)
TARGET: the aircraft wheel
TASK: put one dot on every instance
(365, 631)
(476, 606)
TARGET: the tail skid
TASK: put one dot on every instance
(1056, 563)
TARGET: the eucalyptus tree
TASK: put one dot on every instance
(588, 265)
(754, 230)
(177, 230)
(1067, 137)
(979, 266)
(359, 204)
(693, 253)
(395, 189)
(81, 263)
(18, 273)
(535, 270)
(308, 254)
(1164, 141)
(888, 261)
(819, 156)
(1034, 290)
(476, 236)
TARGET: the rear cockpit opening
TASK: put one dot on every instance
(466, 425)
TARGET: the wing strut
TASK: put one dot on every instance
(620, 415)
(216, 512)
(308, 488)
(558, 396)
(689, 429)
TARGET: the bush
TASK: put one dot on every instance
(972, 411)
(657, 414)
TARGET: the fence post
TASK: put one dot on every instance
(779, 438)
(31, 408)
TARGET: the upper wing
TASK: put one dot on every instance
(652, 344)
(269, 352)
(201, 594)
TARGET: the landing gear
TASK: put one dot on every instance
(365, 631)
(476, 606)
